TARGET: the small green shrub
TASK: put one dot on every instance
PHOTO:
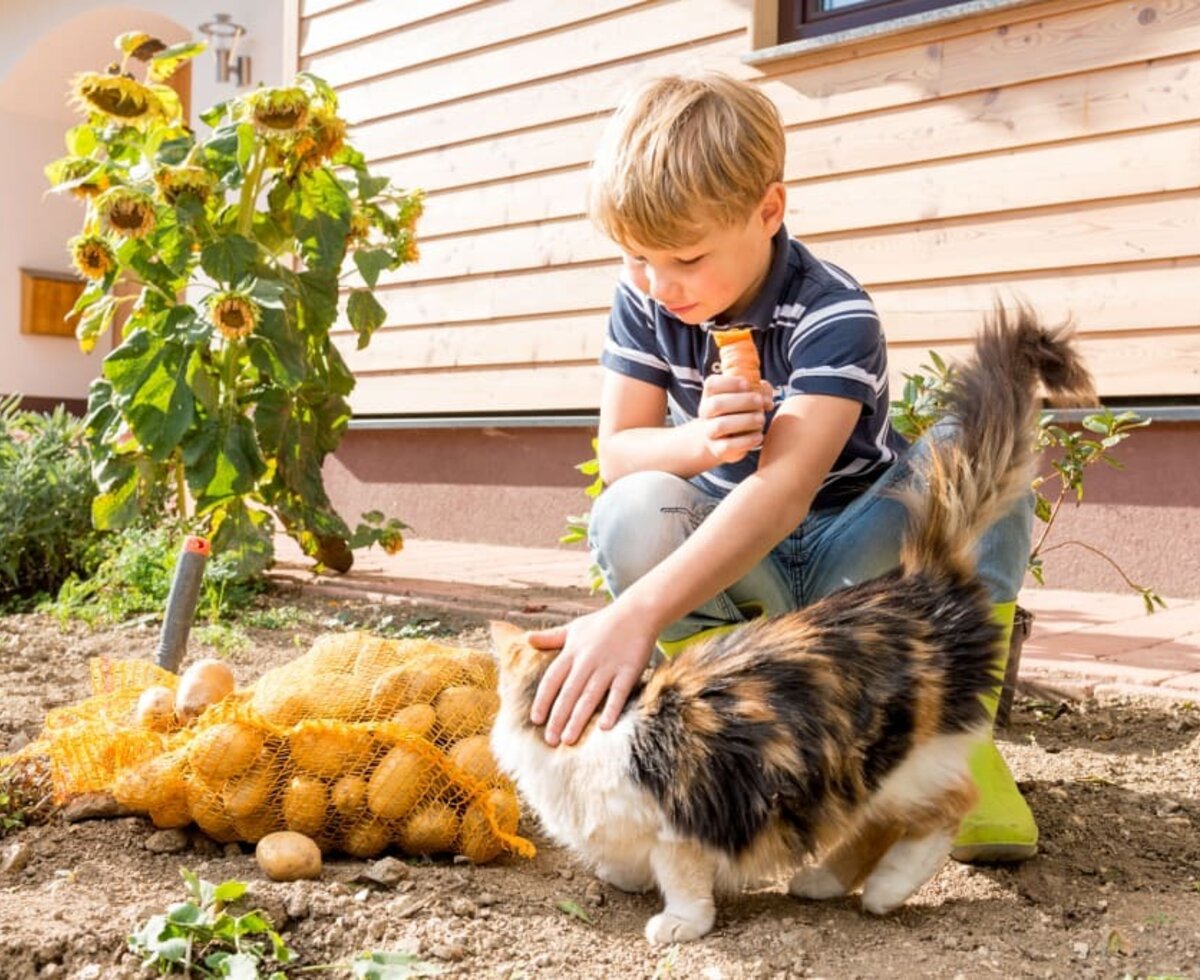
(1069, 452)
(46, 494)
(134, 578)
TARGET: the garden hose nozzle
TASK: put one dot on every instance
(181, 602)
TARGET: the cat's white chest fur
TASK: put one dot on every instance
(584, 797)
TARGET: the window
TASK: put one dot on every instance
(808, 18)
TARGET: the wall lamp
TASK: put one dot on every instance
(224, 35)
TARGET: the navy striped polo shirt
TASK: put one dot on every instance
(816, 331)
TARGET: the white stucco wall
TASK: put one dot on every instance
(42, 44)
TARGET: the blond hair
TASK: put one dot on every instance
(681, 155)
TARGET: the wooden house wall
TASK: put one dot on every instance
(1051, 152)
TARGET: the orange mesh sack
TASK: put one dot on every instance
(363, 743)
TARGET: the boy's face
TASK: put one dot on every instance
(721, 273)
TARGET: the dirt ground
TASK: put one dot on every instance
(1115, 891)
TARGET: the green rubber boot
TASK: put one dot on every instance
(1001, 827)
(671, 648)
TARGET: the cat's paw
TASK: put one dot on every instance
(815, 882)
(668, 927)
(630, 880)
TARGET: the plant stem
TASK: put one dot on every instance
(249, 195)
(1037, 550)
(1096, 551)
(180, 487)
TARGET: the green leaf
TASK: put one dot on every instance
(321, 220)
(213, 115)
(278, 351)
(575, 910)
(365, 313)
(383, 965)
(164, 64)
(152, 377)
(318, 302)
(241, 966)
(229, 259)
(371, 262)
(369, 185)
(118, 507)
(229, 891)
(81, 140)
(96, 321)
(246, 139)
(184, 913)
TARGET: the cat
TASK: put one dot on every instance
(838, 731)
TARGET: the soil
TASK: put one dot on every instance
(1114, 891)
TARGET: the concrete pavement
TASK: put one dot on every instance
(1090, 642)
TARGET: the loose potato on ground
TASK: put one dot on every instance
(473, 757)
(204, 683)
(465, 710)
(288, 856)
(477, 841)
(305, 804)
(398, 782)
(330, 748)
(430, 830)
(155, 709)
(224, 751)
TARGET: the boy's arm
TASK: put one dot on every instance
(634, 437)
(605, 652)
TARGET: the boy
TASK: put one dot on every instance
(752, 501)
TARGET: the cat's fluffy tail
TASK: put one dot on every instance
(976, 472)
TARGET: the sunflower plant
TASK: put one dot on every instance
(225, 257)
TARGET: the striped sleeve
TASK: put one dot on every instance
(631, 346)
(837, 348)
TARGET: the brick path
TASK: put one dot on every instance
(1085, 641)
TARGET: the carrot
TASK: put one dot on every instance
(739, 357)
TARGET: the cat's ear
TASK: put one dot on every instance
(504, 635)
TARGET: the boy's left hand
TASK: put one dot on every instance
(603, 655)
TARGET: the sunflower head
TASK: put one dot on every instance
(360, 226)
(278, 110)
(234, 314)
(174, 182)
(325, 135)
(412, 206)
(126, 211)
(119, 97)
(406, 246)
(92, 255)
(92, 180)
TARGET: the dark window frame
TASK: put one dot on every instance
(800, 19)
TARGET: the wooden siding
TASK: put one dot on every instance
(1051, 153)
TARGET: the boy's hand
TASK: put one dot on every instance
(732, 416)
(603, 655)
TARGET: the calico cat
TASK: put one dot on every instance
(840, 730)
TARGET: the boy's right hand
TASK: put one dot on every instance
(732, 416)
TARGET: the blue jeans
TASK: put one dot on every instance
(643, 517)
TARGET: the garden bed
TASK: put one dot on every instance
(1115, 785)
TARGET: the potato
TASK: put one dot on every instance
(473, 757)
(367, 838)
(305, 804)
(171, 813)
(478, 667)
(224, 751)
(288, 856)
(156, 782)
(257, 825)
(280, 703)
(155, 709)
(349, 795)
(204, 683)
(416, 719)
(417, 682)
(464, 711)
(398, 782)
(430, 830)
(248, 794)
(332, 653)
(208, 811)
(330, 748)
(477, 841)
